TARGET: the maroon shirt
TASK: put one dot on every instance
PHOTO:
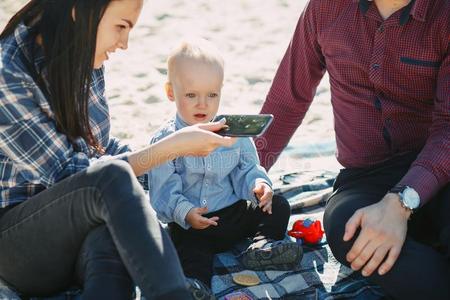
(390, 85)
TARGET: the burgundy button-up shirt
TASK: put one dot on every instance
(390, 85)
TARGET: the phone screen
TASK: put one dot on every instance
(245, 125)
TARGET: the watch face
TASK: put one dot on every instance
(410, 198)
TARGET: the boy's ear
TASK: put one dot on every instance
(169, 91)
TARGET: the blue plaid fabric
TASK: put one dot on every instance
(319, 276)
(33, 154)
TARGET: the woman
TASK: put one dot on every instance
(72, 207)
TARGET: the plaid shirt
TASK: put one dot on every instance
(33, 154)
(390, 85)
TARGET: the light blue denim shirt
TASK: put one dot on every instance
(216, 181)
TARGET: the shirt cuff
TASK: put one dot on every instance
(422, 181)
(180, 213)
(107, 157)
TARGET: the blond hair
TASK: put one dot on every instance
(197, 49)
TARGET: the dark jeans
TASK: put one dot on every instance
(196, 248)
(96, 227)
(422, 270)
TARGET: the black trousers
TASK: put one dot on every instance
(422, 270)
(196, 248)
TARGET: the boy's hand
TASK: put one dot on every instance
(198, 221)
(264, 194)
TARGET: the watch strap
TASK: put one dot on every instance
(397, 189)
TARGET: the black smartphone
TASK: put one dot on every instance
(244, 125)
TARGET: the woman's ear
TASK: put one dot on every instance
(169, 91)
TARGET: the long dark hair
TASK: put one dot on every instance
(68, 29)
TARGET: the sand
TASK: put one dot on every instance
(252, 36)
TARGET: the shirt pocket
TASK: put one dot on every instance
(419, 75)
(190, 166)
(420, 62)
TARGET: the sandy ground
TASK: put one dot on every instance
(252, 35)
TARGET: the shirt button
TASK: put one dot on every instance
(381, 28)
(376, 66)
(204, 202)
(377, 103)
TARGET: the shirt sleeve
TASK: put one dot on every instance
(28, 136)
(112, 151)
(293, 87)
(430, 172)
(166, 197)
(248, 172)
(116, 147)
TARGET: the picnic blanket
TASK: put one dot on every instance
(319, 276)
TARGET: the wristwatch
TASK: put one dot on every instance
(409, 198)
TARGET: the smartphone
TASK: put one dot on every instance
(244, 125)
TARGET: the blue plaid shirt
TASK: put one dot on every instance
(33, 154)
(215, 181)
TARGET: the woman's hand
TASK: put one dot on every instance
(199, 139)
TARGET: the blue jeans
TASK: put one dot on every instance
(95, 227)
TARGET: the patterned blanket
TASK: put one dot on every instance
(318, 277)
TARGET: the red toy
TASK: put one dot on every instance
(307, 231)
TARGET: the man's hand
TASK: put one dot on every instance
(383, 232)
(196, 219)
(264, 194)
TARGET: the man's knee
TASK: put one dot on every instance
(337, 213)
(334, 230)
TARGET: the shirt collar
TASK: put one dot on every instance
(416, 8)
(180, 123)
(420, 9)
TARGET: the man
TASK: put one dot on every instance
(389, 68)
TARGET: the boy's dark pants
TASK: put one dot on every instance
(196, 248)
(421, 272)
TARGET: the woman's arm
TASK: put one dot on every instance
(196, 140)
(30, 139)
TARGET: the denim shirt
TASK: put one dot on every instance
(34, 155)
(216, 181)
